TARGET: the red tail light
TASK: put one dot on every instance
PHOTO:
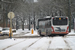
(67, 29)
(66, 18)
(53, 18)
(52, 29)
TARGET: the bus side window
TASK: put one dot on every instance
(45, 25)
(48, 24)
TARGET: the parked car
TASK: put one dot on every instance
(6, 31)
(0, 30)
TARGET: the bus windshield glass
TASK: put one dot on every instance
(60, 21)
(44, 24)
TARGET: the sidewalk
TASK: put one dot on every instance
(21, 31)
(72, 33)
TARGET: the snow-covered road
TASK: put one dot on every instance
(41, 43)
(38, 43)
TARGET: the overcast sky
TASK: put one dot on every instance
(35, 0)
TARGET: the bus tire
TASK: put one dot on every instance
(62, 35)
(40, 33)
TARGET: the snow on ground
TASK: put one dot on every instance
(58, 43)
(42, 44)
(22, 45)
(72, 32)
(21, 31)
(8, 42)
(30, 34)
(71, 41)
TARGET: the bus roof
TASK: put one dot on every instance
(44, 19)
(60, 16)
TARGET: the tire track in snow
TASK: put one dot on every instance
(13, 44)
(58, 43)
(31, 44)
(42, 44)
(49, 43)
(69, 48)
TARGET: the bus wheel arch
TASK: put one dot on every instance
(40, 33)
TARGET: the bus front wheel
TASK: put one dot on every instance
(40, 33)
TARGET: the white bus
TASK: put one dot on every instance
(60, 25)
(53, 25)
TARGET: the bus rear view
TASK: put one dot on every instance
(60, 25)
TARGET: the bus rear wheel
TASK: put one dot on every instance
(40, 34)
(62, 34)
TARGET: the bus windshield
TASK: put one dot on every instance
(60, 21)
(44, 24)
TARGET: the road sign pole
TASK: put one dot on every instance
(11, 15)
(10, 26)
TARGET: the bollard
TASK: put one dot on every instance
(32, 31)
(10, 33)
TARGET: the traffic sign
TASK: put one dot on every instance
(11, 15)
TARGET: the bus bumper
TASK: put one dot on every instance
(59, 32)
